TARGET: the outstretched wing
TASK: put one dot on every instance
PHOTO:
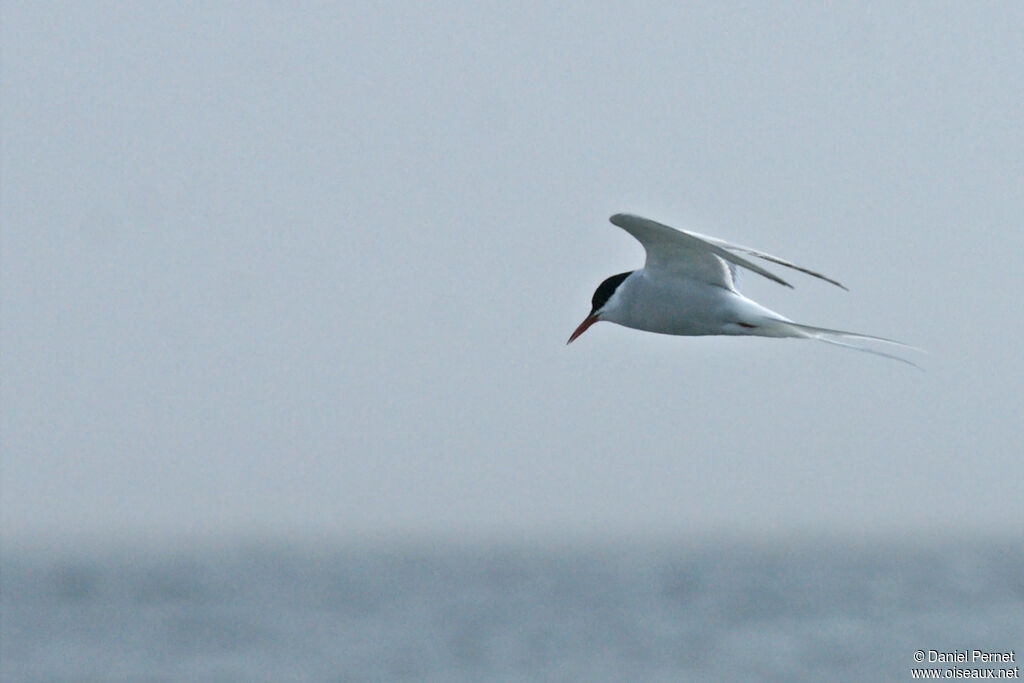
(767, 257)
(684, 255)
(696, 256)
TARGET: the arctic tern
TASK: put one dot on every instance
(688, 287)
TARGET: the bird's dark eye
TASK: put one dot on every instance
(606, 289)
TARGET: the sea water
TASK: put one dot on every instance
(417, 611)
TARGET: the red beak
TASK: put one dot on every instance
(587, 322)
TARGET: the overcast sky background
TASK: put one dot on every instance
(277, 269)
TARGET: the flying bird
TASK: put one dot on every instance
(688, 287)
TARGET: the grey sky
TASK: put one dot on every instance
(311, 268)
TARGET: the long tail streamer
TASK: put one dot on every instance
(837, 337)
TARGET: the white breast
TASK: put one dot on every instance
(670, 305)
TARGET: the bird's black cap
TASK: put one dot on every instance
(605, 290)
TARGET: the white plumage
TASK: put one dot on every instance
(688, 287)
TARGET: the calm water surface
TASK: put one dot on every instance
(392, 612)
